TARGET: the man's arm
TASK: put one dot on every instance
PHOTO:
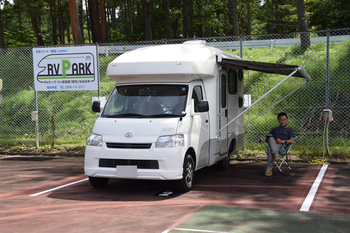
(290, 141)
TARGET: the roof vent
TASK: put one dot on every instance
(195, 42)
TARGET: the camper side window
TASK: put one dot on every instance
(223, 90)
(232, 82)
(197, 96)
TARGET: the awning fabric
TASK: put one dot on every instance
(272, 68)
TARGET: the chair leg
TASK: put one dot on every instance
(287, 164)
(278, 166)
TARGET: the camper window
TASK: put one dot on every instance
(223, 90)
(197, 96)
(232, 82)
(240, 75)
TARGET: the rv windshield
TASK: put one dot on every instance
(146, 101)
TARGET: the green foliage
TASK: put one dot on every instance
(208, 18)
(328, 14)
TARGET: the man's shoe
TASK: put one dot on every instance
(268, 172)
(278, 158)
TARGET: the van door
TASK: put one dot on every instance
(223, 135)
(200, 127)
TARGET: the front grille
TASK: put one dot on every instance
(141, 164)
(129, 145)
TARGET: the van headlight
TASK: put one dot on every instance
(94, 140)
(170, 141)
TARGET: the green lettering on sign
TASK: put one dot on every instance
(66, 65)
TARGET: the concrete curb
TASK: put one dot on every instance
(292, 161)
(42, 154)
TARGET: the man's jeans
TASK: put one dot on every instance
(272, 150)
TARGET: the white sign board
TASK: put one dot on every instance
(65, 68)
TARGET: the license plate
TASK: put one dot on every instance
(126, 171)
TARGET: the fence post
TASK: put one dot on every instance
(327, 98)
(241, 45)
(327, 72)
(36, 122)
(98, 72)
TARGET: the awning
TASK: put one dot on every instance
(271, 68)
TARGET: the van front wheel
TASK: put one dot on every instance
(185, 184)
(98, 182)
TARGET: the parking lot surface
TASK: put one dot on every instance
(52, 194)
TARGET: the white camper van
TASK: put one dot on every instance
(162, 120)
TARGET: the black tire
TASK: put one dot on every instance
(98, 182)
(224, 165)
(185, 184)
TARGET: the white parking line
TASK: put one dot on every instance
(59, 187)
(195, 230)
(312, 193)
(8, 157)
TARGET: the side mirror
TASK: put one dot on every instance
(96, 107)
(203, 106)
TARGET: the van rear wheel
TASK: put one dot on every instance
(185, 184)
(98, 182)
(224, 165)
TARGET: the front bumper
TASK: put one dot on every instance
(170, 161)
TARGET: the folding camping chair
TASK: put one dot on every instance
(283, 152)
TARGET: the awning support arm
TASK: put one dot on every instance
(292, 92)
(278, 84)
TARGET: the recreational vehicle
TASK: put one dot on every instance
(175, 109)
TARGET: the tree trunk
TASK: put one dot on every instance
(53, 23)
(68, 32)
(2, 39)
(74, 20)
(61, 24)
(151, 18)
(186, 17)
(35, 25)
(147, 20)
(95, 21)
(81, 18)
(113, 17)
(303, 28)
(249, 19)
(232, 13)
(104, 32)
(201, 23)
(167, 19)
(129, 20)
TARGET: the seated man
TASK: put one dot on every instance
(277, 137)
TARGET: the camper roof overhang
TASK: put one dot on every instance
(271, 68)
(177, 62)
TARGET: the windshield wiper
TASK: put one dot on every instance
(124, 115)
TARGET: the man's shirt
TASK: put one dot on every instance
(283, 133)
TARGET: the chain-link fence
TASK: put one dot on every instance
(66, 116)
